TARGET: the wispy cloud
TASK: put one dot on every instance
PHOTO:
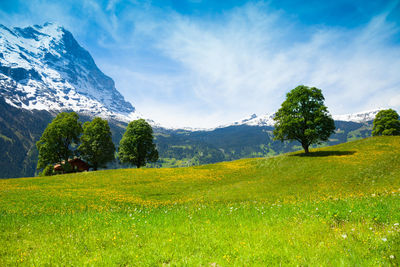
(253, 58)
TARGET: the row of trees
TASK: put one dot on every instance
(303, 117)
(65, 138)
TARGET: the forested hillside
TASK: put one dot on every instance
(19, 131)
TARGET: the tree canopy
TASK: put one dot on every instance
(304, 117)
(386, 122)
(59, 140)
(96, 146)
(136, 146)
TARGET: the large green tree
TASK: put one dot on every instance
(136, 146)
(386, 122)
(59, 140)
(96, 146)
(304, 117)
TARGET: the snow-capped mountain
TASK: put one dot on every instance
(254, 120)
(358, 117)
(268, 119)
(44, 68)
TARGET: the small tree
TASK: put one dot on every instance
(386, 122)
(59, 140)
(96, 146)
(304, 117)
(136, 146)
(47, 171)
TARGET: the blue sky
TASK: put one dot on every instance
(203, 63)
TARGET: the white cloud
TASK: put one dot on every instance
(395, 101)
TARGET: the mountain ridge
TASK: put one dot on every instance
(267, 120)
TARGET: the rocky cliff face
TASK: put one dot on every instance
(44, 68)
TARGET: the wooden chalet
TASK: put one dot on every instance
(76, 164)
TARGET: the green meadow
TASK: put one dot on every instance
(339, 206)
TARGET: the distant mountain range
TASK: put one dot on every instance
(43, 71)
(268, 120)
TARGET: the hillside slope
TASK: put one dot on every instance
(340, 206)
(20, 129)
(371, 165)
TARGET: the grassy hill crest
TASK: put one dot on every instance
(362, 166)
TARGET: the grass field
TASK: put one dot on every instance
(340, 206)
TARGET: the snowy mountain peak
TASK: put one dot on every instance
(268, 119)
(254, 120)
(43, 67)
(358, 117)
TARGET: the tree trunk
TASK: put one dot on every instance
(305, 146)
